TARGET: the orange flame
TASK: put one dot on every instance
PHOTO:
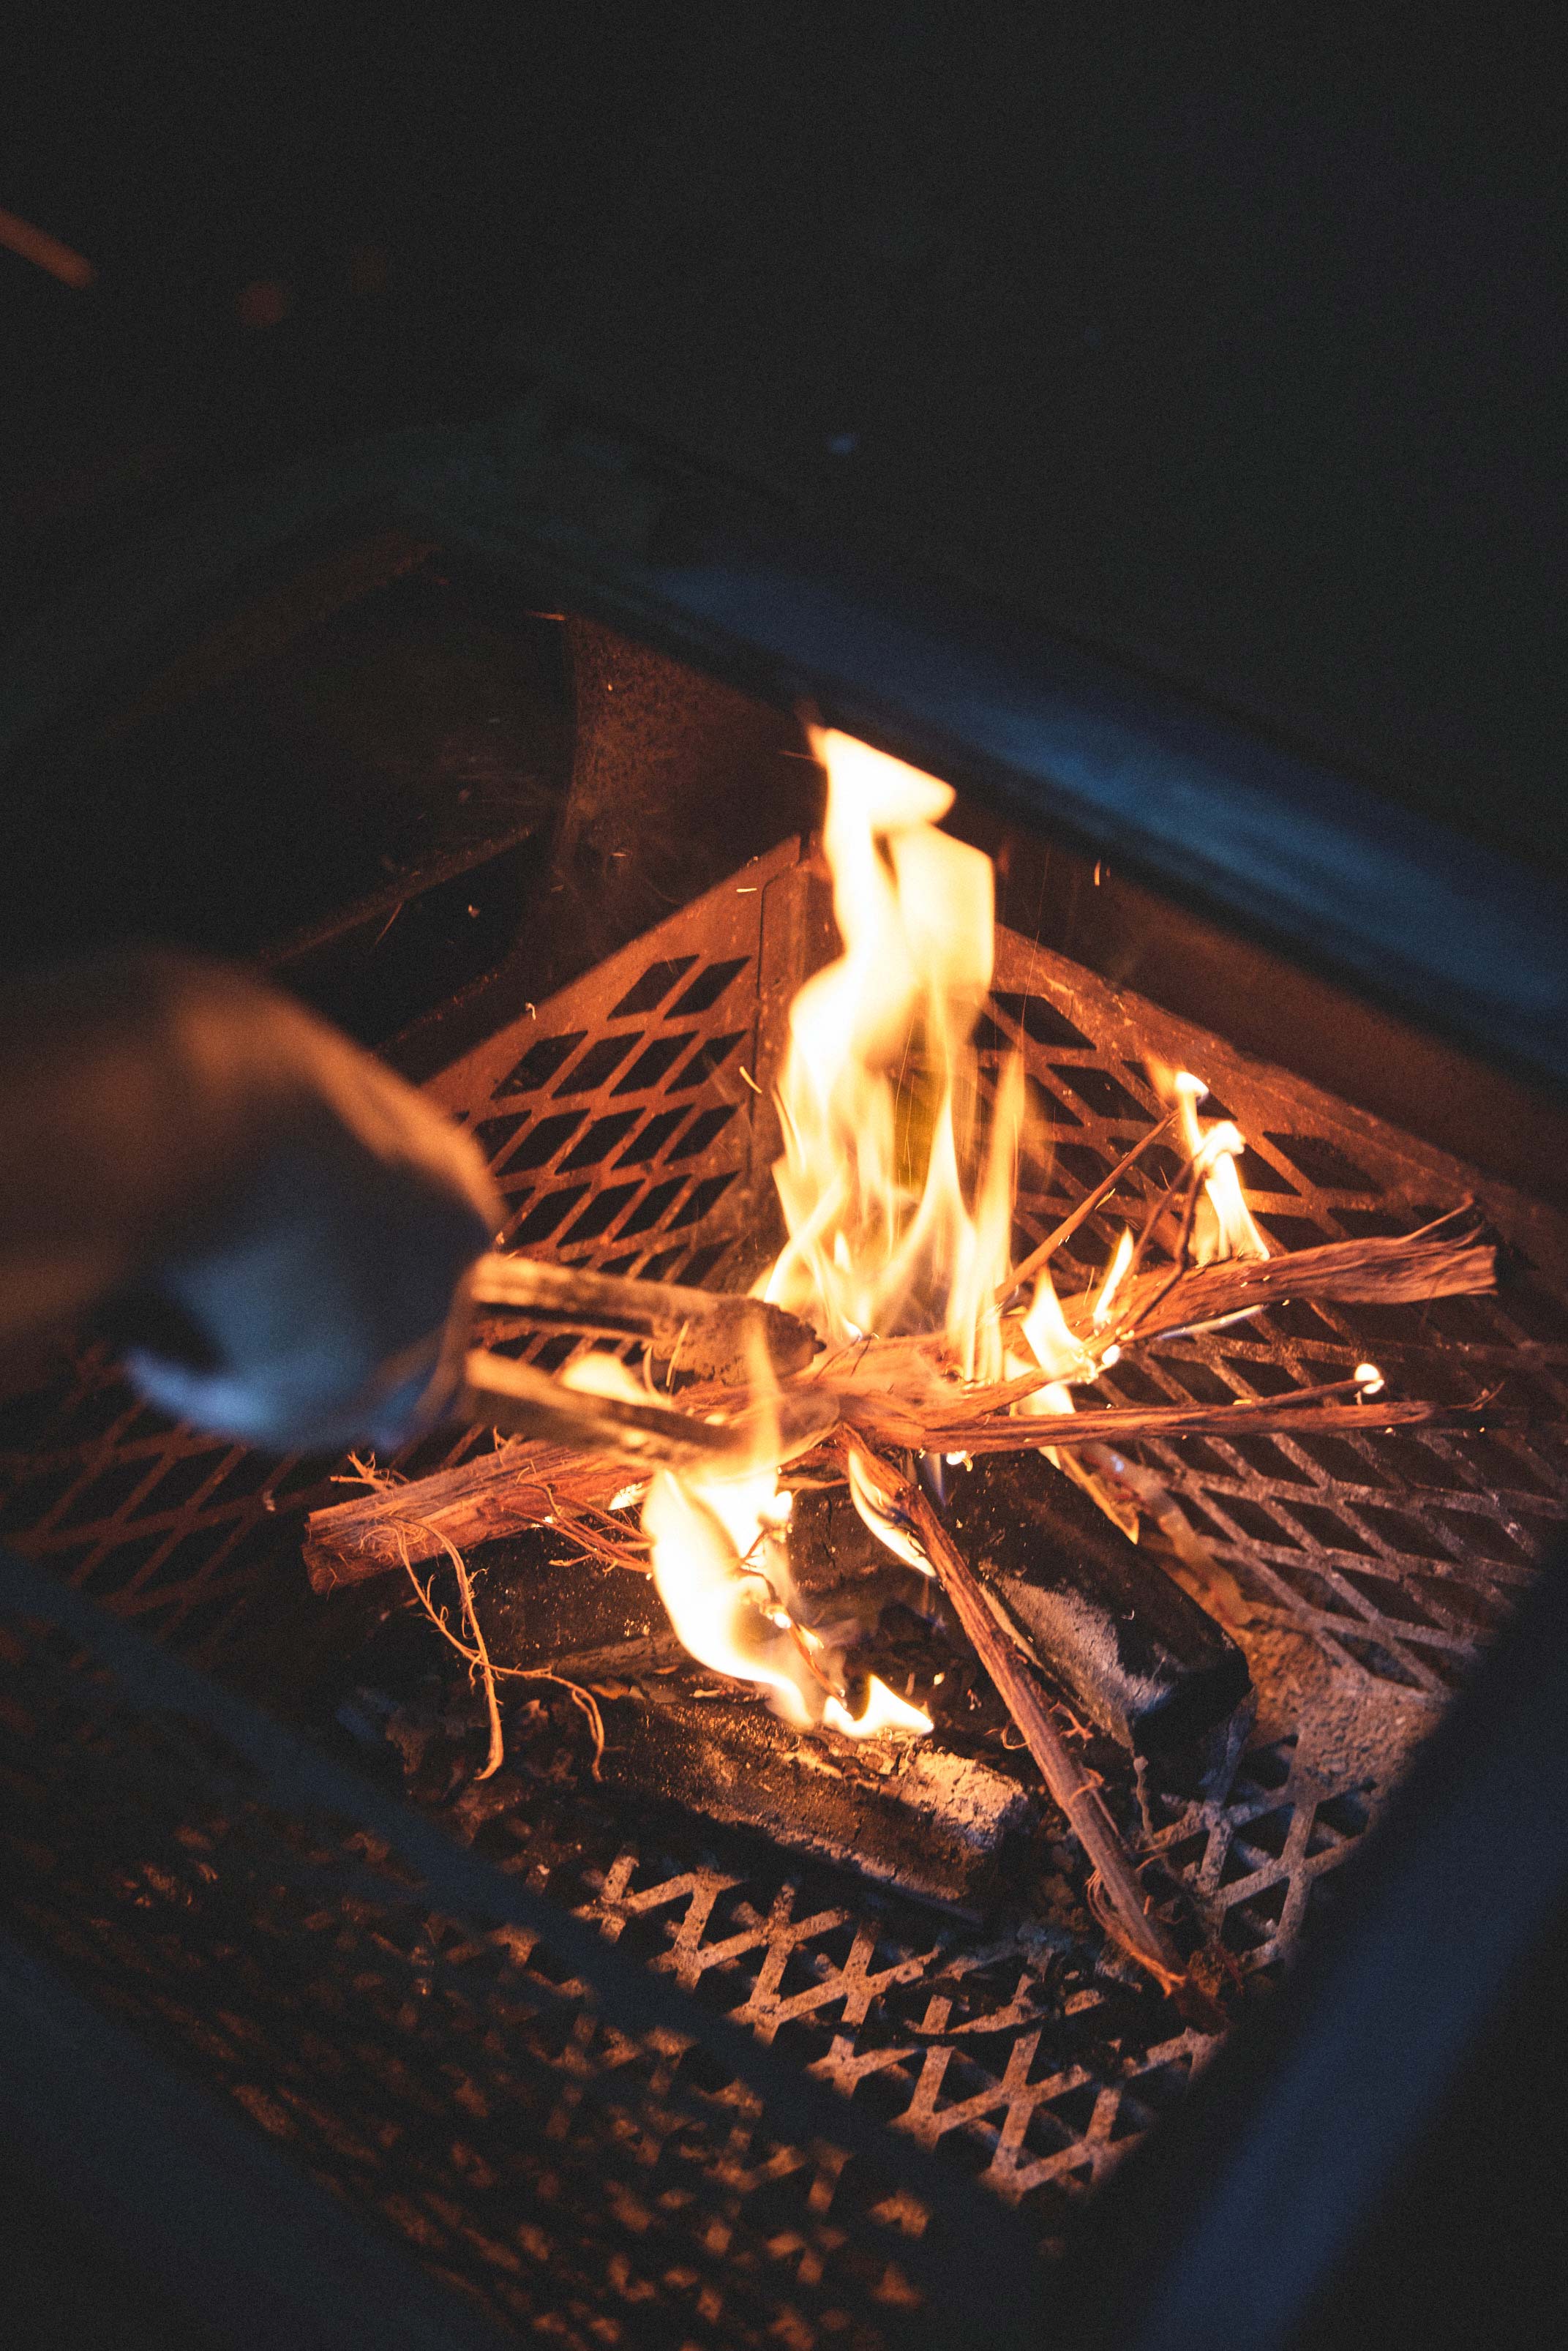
(881, 1113)
(1223, 1225)
(881, 1238)
(897, 1193)
(722, 1571)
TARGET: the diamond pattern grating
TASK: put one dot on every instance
(626, 1130)
(1396, 1553)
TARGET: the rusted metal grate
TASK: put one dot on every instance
(474, 2071)
(1396, 1553)
(624, 1124)
(621, 1120)
(617, 1121)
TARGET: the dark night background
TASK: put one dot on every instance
(1232, 341)
(1229, 341)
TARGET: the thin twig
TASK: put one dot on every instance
(479, 1657)
(1180, 1182)
(1076, 1791)
(1081, 1214)
(1140, 1313)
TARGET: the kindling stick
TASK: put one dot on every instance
(1070, 1786)
(1445, 1259)
(532, 1484)
(522, 1400)
(1064, 1231)
(713, 1336)
(885, 1419)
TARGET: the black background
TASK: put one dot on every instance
(1230, 338)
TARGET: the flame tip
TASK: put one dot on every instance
(898, 1194)
(883, 1713)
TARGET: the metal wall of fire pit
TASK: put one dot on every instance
(626, 1130)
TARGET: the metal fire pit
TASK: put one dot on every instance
(608, 2172)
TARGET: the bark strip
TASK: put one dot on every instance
(1446, 1259)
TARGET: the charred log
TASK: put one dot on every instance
(1075, 1791)
(1129, 1646)
(900, 1812)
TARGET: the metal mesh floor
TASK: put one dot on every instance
(626, 1130)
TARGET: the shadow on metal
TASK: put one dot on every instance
(123, 2131)
(1333, 2141)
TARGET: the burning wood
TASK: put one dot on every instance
(907, 1512)
(592, 1414)
(1445, 1259)
(990, 1428)
(709, 1336)
(897, 1192)
(545, 1484)
(496, 1494)
(908, 1814)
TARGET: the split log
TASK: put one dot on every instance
(518, 1400)
(578, 1467)
(496, 1494)
(1443, 1260)
(707, 1334)
(546, 1484)
(1132, 1651)
(1446, 1259)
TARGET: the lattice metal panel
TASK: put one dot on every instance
(159, 1522)
(1396, 1552)
(470, 2068)
(623, 1126)
(617, 1120)
(1023, 2049)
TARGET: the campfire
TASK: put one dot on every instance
(890, 1352)
(1035, 1399)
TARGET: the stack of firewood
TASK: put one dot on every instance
(576, 1461)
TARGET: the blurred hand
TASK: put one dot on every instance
(277, 1229)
